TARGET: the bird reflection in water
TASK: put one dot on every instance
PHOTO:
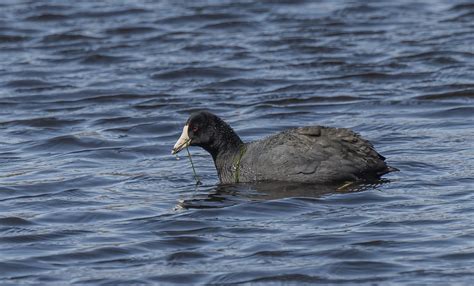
(221, 196)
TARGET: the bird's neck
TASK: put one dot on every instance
(227, 161)
(225, 146)
(226, 142)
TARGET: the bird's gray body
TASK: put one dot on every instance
(313, 154)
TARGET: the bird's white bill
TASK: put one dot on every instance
(182, 142)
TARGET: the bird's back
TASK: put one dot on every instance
(313, 154)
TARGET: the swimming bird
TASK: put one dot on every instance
(311, 154)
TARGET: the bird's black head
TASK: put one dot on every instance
(208, 131)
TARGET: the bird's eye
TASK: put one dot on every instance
(195, 129)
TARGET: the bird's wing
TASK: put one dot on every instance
(315, 153)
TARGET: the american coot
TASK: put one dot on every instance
(313, 154)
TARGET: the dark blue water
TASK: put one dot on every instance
(93, 95)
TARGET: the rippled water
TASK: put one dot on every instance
(94, 95)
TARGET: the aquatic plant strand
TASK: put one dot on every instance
(237, 164)
(198, 182)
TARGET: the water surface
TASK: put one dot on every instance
(93, 96)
